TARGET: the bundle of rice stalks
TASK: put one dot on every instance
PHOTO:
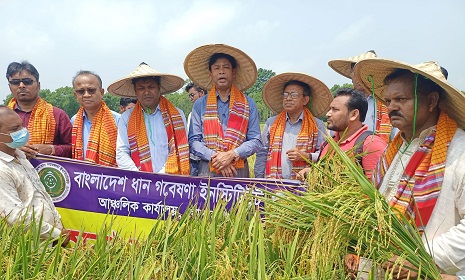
(341, 213)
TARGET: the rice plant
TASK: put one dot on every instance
(298, 235)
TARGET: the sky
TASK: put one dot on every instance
(112, 37)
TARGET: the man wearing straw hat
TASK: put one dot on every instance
(94, 125)
(377, 118)
(152, 135)
(421, 172)
(225, 128)
(294, 136)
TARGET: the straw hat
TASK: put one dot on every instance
(320, 95)
(196, 66)
(124, 87)
(378, 69)
(344, 66)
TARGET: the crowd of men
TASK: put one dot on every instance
(403, 123)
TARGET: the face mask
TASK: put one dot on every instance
(19, 137)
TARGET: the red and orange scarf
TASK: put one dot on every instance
(383, 124)
(306, 140)
(41, 124)
(101, 147)
(421, 182)
(178, 156)
(238, 122)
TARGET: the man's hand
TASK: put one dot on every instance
(297, 155)
(31, 151)
(229, 171)
(449, 277)
(302, 174)
(221, 160)
(67, 235)
(398, 272)
(351, 263)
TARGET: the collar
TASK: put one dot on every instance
(218, 95)
(154, 112)
(351, 137)
(422, 135)
(301, 117)
(8, 158)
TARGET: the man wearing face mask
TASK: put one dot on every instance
(22, 195)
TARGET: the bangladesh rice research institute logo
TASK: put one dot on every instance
(55, 179)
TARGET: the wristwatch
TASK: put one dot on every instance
(236, 155)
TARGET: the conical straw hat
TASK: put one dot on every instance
(124, 87)
(320, 95)
(344, 66)
(375, 71)
(196, 66)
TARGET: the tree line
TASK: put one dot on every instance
(64, 98)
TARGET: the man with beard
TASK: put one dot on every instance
(377, 117)
(345, 117)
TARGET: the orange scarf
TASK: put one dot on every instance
(178, 156)
(238, 122)
(101, 147)
(421, 182)
(41, 124)
(306, 140)
(383, 124)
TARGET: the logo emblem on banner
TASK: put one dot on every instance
(56, 180)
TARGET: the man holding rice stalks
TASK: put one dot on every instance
(377, 117)
(293, 137)
(421, 172)
(345, 117)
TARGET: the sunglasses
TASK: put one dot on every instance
(91, 91)
(16, 82)
(191, 95)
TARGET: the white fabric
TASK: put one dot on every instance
(22, 193)
(444, 235)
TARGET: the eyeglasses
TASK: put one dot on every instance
(26, 82)
(293, 95)
(91, 91)
(191, 95)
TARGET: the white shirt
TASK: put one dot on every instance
(444, 236)
(156, 134)
(22, 192)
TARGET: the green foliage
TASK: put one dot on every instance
(297, 237)
(181, 100)
(336, 87)
(255, 92)
(112, 101)
(64, 99)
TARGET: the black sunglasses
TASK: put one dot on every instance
(16, 82)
